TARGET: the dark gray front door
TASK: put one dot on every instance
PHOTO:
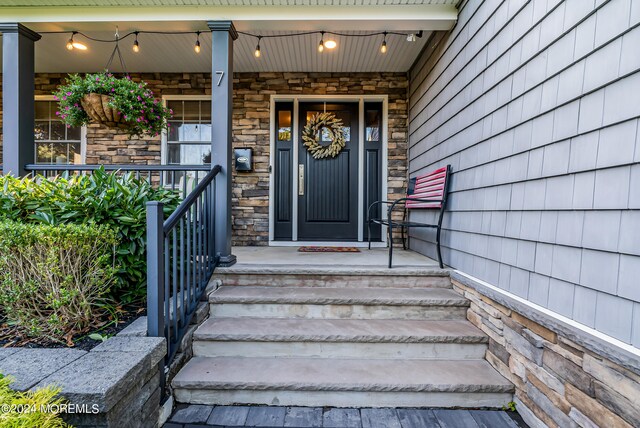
(328, 209)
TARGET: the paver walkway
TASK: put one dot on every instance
(199, 416)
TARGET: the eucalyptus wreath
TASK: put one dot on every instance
(313, 129)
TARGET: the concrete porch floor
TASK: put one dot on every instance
(376, 258)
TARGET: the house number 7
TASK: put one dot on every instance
(221, 73)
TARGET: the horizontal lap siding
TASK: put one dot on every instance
(535, 106)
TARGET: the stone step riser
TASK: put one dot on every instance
(329, 311)
(335, 281)
(344, 398)
(448, 351)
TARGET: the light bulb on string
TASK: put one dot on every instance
(72, 44)
(136, 45)
(383, 47)
(321, 45)
(197, 46)
(257, 52)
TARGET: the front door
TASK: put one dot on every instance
(328, 193)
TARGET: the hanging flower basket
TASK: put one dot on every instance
(111, 101)
(98, 108)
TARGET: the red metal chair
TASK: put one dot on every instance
(427, 191)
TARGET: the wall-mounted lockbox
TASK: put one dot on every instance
(243, 159)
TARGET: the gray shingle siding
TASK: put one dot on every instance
(535, 106)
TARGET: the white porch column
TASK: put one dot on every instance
(18, 82)
(223, 35)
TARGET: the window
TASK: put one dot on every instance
(189, 135)
(54, 142)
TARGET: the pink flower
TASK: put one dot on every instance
(64, 98)
(75, 104)
(139, 99)
(68, 93)
(113, 89)
(57, 113)
(55, 97)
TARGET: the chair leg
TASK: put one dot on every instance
(369, 232)
(390, 244)
(438, 248)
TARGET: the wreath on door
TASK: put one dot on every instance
(313, 131)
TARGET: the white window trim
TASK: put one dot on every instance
(164, 137)
(83, 133)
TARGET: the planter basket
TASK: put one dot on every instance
(98, 109)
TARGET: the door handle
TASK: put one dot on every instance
(301, 180)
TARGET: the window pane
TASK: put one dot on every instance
(75, 155)
(43, 109)
(41, 130)
(173, 131)
(74, 133)
(373, 125)
(176, 106)
(205, 111)
(190, 132)
(43, 152)
(191, 110)
(57, 131)
(188, 154)
(205, 132)
(284, 125)
(60, 154)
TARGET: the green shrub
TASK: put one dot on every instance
(54, 279)
(118, 201)
(35, 401)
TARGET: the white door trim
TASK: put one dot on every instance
(360, 99)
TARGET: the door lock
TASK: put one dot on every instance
(301, 180)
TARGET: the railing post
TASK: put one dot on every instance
(155, 270)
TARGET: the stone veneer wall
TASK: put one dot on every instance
(559, 382)
(251, 129)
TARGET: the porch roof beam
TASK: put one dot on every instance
(286, 18)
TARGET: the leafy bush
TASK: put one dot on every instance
(35, 401)
(135, 102)
(54, 279)
(117, 201)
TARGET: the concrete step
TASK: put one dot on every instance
(351, 303)
(341, 382)
(333, 276)
(339, 338)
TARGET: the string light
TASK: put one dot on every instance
(136, 45)
(257, 53)
(72, 44)
(328, 44)
(197, 46)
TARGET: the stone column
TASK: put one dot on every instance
(18, 81)
(223, 35)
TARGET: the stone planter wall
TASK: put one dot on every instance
(251, 117)
(563, 378)
(118, 381)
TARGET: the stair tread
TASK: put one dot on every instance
(324, 270)
(332, 374)
(339, 330)
(338, 296)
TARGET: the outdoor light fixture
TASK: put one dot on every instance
(383, 47)
(72, 44)
(136, 45)
(321, 45)
(330, 44)
(257, 52)
(412, 37)
(197, 46)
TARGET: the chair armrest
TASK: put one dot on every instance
(374, 204)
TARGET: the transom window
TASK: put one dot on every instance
(189, 135)
(54, 142)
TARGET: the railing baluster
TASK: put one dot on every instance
(183, 299)
(174, 266)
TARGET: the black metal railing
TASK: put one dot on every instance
(177, 177)
(180, 260)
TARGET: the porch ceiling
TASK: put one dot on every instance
(174, 53)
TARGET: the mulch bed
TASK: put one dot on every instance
(12, 337)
